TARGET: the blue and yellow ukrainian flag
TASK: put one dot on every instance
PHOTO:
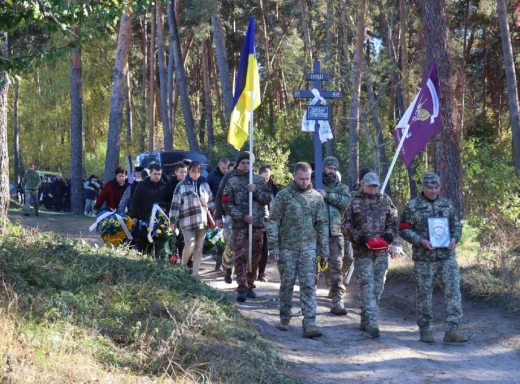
(247, 82)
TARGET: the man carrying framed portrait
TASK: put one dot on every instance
(431, 224)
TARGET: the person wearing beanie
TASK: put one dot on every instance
(336, 197)
(235, 200)
(431, 263)
(370, 222)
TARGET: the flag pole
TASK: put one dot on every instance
(250, 254)
(401, 142)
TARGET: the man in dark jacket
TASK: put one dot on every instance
(215, 177)
(149, 192)
(59, 191)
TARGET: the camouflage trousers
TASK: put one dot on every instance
(36, 200)
(337, 251)
(245, 279)
(370, 276)
(345, 264)
(228, 257)
(303, 265)
(425, 275)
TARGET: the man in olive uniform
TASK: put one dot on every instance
(432, 263)
(336, 196)
(31, 186)
(235, 200)
(298, 232)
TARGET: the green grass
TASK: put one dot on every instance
(68, 308)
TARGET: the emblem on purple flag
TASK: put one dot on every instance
(421, 120)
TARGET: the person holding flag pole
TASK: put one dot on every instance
(418, 125)
(237, 192)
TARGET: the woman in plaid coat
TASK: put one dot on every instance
(191, 203)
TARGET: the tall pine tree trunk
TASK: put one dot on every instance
(16, 134)
(512, 90)
(447, 147)
(171, 76)
(115, 121)
(357, 71)
(183, 85)
(4, 154)
(383, 162)
(208, 108)
(76, 129)
(163, 87)
(151, 112)
(223, 65)
(144, 50)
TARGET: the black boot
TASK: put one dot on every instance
(228, 278)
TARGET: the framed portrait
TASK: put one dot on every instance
(439, 230)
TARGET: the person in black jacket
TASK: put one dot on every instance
(215, 177)
(59, 191)
(149, 192)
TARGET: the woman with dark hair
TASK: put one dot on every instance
(191, 202)
(265, 172)
(112, 191)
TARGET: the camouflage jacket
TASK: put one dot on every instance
(298, 221)
(371, 216)
(336, 199)
(235, 199)
(413, 226)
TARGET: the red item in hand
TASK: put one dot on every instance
(377, 244)
(174, 259)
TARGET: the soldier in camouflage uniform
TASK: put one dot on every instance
(433, 263)
(224, 221)
(297, 232)
(370, 222)
(235, 200)
(336, 196)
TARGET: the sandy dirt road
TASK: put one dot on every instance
(345, 354)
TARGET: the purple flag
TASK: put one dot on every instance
(423, 116)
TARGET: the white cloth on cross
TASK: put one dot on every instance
(325, 131)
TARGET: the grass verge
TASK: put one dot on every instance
(73, 312)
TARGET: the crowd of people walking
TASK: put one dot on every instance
(299, 227)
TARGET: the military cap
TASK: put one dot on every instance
(438, 223)
(370, 179)
(431, 178)
(330, 160)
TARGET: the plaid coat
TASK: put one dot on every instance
(186, 209)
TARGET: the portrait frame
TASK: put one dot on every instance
(439, 240)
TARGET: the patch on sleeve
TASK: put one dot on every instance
(405, 225)
(225, 198)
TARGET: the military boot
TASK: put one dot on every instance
(284, 325)
(374, 332)
(339, 310)
(454, 337)
(363, 326)
(242, 296)
(427, 337)
(311, 331)
(228, 278)
(251, 294)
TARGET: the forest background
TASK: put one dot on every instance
(85, 83)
